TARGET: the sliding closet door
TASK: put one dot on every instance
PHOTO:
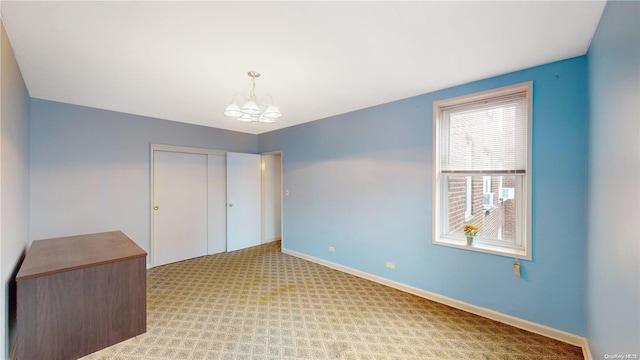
(217, 167)
(180, 206)
(243, 201)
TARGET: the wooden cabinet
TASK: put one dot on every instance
(80, 294)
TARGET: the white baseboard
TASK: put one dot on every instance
(586, 351)
(149, 266)
(484, 312)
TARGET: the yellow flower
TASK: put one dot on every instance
(470, 230)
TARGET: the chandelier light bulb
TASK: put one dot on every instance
(272, 112)
(233, 111)
(251, 108)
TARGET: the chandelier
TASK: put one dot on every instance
(253, 110)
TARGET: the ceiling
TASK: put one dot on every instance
(184, 61)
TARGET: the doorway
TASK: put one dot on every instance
(271, 166)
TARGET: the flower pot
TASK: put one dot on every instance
(469, 240)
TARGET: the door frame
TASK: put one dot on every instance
(262, 196)
(169, 148)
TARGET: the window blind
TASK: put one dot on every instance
(485, 136)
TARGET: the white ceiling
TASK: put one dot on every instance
(183, 61)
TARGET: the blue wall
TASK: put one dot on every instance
(362, 182)
(90, 168)
(613, 259)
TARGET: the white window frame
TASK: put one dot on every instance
(440, 212)
(468, 211)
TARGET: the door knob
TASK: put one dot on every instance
(230, 204)
(156, 207)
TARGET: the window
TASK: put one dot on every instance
(482, 174)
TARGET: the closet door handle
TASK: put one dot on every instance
(230, 204)
(156, 207)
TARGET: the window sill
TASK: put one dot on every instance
(520, 253)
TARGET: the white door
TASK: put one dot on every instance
(179, 206)
(243, 201)
(217, 204)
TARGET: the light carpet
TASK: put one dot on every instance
(259, 303)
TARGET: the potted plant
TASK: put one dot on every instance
(470, 231)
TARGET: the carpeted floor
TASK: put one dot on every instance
(259, 303)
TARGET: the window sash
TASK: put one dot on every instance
(517, 243)
(488, 172)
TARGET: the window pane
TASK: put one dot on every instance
(493, 211)
(492, 137)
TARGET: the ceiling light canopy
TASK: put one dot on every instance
(252, 110)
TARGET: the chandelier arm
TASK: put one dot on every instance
(233, 99)
(262, 100)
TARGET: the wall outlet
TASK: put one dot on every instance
(332, 249)
(391, 265)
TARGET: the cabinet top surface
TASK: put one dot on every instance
(50, 256)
